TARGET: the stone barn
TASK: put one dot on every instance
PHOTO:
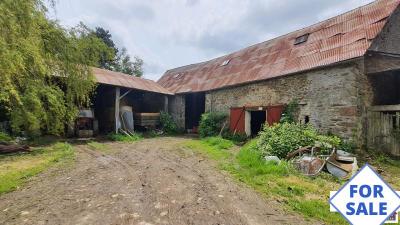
(344, 72)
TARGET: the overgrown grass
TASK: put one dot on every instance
(211, 148)
(301, 194)
(98, 146)
(17, 168)
(389, 166)
(218, 142)
(125, 138)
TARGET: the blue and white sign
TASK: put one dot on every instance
(366, 199)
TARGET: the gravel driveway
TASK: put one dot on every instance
(153, 181)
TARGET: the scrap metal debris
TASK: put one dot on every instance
(310, 162)
(342, 164)
(272, 159)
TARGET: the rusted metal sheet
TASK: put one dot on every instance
(309, 165)
(237, 120)
(344, 37)
(340, 168)
(123, 80)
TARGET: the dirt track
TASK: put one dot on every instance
(149, 182)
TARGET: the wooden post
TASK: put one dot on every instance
(117, 98)
(166, 104)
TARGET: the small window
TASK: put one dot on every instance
(226, 62)
(177, 76)
(306, 119)
(301, 39)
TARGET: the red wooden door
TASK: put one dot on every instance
(237, 120)
(274, 114)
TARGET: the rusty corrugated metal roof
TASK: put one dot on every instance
(334, 40)
(123, 80)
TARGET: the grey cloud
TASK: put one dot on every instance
(222, 42)
(142, 12)
(128, 12)
(153, 68)
(191, 2)
(286, 16)
(264, 20)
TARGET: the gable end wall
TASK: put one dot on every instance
(389, 39)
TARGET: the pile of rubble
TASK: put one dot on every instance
(310, 162)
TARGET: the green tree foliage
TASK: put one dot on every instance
(45, 73)
(211, 124)
(105, 35)
(124, 64)
(120, 61)
(280, 139)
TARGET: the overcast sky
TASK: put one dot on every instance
(173, 33)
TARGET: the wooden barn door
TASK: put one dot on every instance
(237, 120)
(384, 132)
(274, 114)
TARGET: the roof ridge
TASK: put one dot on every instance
(138, 82)
(124, 74)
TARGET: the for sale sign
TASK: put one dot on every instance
(366, 199)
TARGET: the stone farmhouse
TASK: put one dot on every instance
(344, 72)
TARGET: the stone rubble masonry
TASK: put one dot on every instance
(331, 97)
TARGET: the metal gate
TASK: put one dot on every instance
(384, 130)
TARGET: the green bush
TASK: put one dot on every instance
(168, 124)
(289, 113)
(211, 124)
(283, 138)
(5, 137)
(125, 138)
(348, 146)
(218, 142)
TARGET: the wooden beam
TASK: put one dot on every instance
(117, 98)
(166, 104)
(384, 108)
(126, 93)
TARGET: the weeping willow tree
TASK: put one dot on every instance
(45, 71)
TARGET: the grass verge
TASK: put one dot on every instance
(389, 166)
(307, 196)
(125, 138)
(17, 168)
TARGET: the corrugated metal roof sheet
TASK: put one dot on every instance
(334, 40)
(123, 80)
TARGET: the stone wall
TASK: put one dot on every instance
(332, 97)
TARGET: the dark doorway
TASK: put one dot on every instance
(258, 119)
(194, 108)
(386, 87)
